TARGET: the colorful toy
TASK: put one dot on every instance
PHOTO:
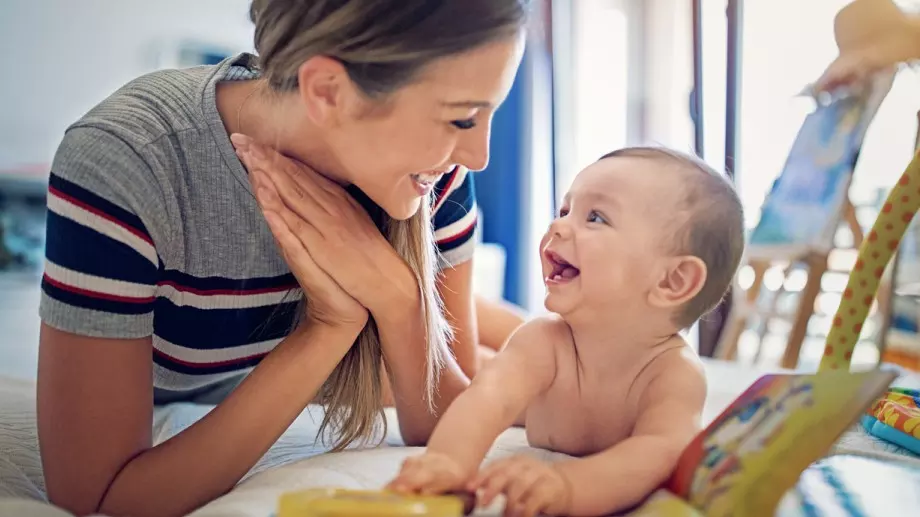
(896, 417)
(335, 502)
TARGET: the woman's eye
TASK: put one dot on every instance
(464, 124)
(594, 217)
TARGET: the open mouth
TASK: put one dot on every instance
(425, 181)
(562, 270)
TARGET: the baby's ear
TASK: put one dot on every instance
(680, 280)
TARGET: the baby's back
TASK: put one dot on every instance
(591, 407)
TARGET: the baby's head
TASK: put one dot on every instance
(643, 231)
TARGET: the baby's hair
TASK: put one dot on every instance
(713, 232)
(384, 45)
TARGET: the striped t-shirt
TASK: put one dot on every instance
(153, 230)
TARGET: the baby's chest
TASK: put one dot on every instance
(578, 422)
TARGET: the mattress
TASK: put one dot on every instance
(297, 460)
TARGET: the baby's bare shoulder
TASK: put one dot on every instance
(548, 330)
(678, 372)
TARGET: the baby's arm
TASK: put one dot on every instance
(499, 393)
(622, 476)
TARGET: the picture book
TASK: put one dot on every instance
(804, 206)
(750, 457)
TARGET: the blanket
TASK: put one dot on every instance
(299, 459)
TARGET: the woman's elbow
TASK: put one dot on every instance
(415, 435)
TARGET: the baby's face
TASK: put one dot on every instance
(610, 236)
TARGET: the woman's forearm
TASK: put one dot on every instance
(206, 460)
(496, 321)
(404, 342)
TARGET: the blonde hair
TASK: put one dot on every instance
(383, 45)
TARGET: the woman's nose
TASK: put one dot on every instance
(472, 150)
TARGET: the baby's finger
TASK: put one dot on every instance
(496, 483)
(413, 480)
(488, 471)
(403, 485)
(532, 506)
(520, 485)
(537, 498)
(438, 484)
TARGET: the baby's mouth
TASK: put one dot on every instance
(562, 271)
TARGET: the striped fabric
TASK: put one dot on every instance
(153, 231)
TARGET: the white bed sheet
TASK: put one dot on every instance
(297, 460)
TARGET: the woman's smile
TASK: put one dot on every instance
(424, 182)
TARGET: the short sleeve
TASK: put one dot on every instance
(101, 264)
(455, 217)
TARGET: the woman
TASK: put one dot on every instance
(169, 258)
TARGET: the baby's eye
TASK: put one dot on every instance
(594, 217)
(464, 124)
(563, 212)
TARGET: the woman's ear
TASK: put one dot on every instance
(321, 84)
(681, 279)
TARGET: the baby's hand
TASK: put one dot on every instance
(531, 487)
(429, 473)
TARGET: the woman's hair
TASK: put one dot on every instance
(384, 45)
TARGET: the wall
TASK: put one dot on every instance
(515, 191)
(61, 57)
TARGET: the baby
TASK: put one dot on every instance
(647, 241)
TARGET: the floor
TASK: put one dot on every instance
(19, 324)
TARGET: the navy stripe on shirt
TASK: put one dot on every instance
(92, 202)
(91, 300)
(214, 329)
(81, 248)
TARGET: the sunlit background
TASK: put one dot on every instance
(599, 74)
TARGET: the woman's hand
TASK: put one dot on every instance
(334, 230)
(872, 36)
(327, 301)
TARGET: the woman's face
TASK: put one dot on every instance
(397, 150)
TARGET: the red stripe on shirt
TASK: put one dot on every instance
(466, 231)
(96, 294)
(70, 199)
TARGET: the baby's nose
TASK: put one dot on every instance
(559, 228)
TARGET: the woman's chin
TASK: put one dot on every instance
(404, 210)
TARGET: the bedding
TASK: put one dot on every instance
(297, 460)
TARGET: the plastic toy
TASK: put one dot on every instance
(371, 503)
(896, 417)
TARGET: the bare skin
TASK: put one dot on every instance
(872, 36)
(104, 461)
(580, 414)
(606, 379)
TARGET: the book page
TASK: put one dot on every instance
(747, 459)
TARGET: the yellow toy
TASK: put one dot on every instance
(874, 255)
(371, 503)
(896, 417)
